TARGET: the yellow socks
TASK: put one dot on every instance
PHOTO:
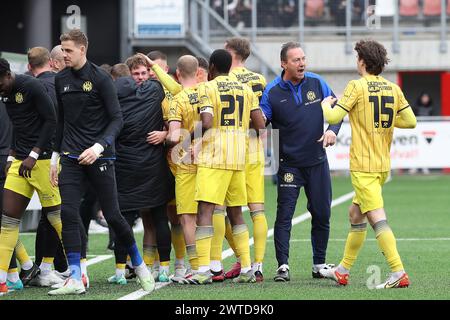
(355, 241)
(54, 218)
(229, 236)
(259, 234)
(219, 234)
(203, 238)
(241, 238)
(192, 254)
(178, 243)
(8, 239)
(387, 244)
(22, 255)
(149, 255)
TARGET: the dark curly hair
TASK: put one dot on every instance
(373, 54)
(4, 67)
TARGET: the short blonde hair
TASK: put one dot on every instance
(38, 57)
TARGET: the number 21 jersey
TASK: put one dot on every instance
(230, 103)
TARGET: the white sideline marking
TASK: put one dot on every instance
(88, 256)
(229, 252)
(141, 293)
(397, 239)
(98, 259)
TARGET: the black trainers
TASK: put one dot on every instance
(27, 275)
(282, 274)
(317, 275)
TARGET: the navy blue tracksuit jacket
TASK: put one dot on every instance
(297, 113)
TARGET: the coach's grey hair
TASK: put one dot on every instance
(286, 47)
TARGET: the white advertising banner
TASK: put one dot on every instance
(159, 18)
(426, 146)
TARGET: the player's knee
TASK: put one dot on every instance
(354, 215)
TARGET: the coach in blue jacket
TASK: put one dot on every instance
(292, 104)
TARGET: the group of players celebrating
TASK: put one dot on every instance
(185, 151)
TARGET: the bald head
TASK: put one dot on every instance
(187, 67)
(57, 59)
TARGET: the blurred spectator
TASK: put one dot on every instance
(288, 12)
(107, 68)
(424, 105)
(423, 108)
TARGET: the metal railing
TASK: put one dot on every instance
(202, 17)
(340, 18)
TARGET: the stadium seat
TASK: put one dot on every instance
(431, 7)
(409, 8)
(314, 8)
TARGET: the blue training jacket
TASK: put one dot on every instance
(297, 113)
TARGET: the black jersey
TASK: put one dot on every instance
(143, 177)
(88, 110)
(47, 78)
(32, 115)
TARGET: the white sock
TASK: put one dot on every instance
(3, 276)
(120, 272)
(45, 267)
(142, 271)
(257, 266)
(83, 266)
(203, 269)
(317, 267)
(245, 270)
(179, 263)
(13, 276)
(215, 265)
(164, 268)
(155, 265)
(341, 269)
(398, 274)
(27, 265)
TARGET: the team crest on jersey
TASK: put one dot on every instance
(193, 98)
(87, 86)
(19, 97)
(311, 95)
(288, 177)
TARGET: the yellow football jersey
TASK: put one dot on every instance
(185, 109)
(254, 80)
(230, 102)
(257, 83)
(373, 103)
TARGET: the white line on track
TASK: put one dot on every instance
(229, 252)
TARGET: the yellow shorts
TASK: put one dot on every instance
(39, 182)
(219, 185)
(368, 189)
(254, 180)
(185, 193)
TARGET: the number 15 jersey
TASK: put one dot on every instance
(373, 103)
(230, 103)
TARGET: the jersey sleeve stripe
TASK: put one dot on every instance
(408, 106)
(341, 107)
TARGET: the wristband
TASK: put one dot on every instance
(10, 159)
(54, 159)
(98, 149)
(34, 155)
